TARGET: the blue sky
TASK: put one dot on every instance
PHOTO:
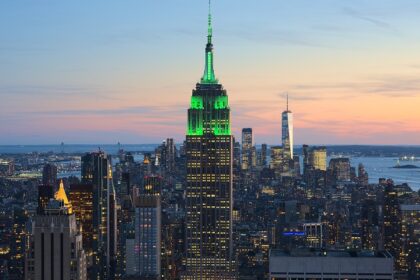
(107, 71)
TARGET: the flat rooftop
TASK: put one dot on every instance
(306, 252)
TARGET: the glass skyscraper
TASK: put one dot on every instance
(209, 146)
(97, 170)
(287, 132)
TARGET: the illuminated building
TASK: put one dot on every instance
(319, 264)
(49, 175)
(287, 132)
(391, 220)
(369, 225)
(81, 197)
(19, 235)
(7, 167)
(409, 254)
(317, 158)
(97, 170)
(45, 193)
(276, 154)
(55, 248)
(152, 184)
(147, 244)
(339, 170)
(170, 155)
(62, 196)
(209, 145)
(314, 234)
(246, 162)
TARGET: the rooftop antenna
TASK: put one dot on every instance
(287, 101)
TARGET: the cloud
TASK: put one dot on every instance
(58, 91)
(388, 86)
(355, 14)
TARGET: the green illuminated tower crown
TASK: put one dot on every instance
(209, 111)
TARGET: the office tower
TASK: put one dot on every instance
(391, 220)
(314, 235)
(339, 170)
(55, 248)
(409, 255)
(263, 155)
(317, 158)
(209, 178)
(97, 170)
(144, 261)
(312, 264)
(305, 152)
(49, 175)
(246, 148)
(362, 175)
(18, 233)
(125, 185)
(287, 132)
(296, 166)
(254, 157)
(81, 197)
(276, 154)
(170, 155)
(152, 184)
(45, 193)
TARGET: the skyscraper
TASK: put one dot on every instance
(287, 132)
(55, 245)
(45, 193)
(318, 158)
(97, 170)
(49, 175)
(81, 197)
(209, 146)
(147, 248)
(246, 148)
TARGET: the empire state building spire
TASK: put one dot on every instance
(209, 77)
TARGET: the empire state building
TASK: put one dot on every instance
(209, 145)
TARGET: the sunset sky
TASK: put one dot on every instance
(106, 71)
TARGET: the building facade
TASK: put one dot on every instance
(209, 144)
(97, 170)
(55, 248)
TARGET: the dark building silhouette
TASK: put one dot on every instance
(49, 175)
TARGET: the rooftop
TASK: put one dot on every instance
(308, 252)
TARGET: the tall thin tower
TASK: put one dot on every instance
(287, 131)
(209, 178)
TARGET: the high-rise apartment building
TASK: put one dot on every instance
(209, 144)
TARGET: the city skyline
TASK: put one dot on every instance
(126, 75)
